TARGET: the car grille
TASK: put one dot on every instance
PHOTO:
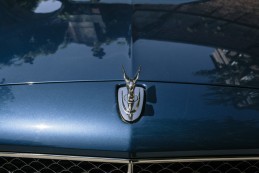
(32, 165)
(200, 167)
(25, 165)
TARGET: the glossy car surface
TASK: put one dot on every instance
(60, 71)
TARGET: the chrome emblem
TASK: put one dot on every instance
(130, 98)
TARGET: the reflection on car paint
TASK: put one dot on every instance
(82, 39)
(48, 6)
(196, 54)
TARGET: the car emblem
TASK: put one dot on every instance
(131, 98)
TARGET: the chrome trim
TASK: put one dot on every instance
(196, 160)
(130, 98)
(63, 157)
(130, 111)
(120, 160)
(130, 167)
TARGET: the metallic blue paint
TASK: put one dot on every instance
(173, 43)
(84, 116)
(201, 76)
(138, 1)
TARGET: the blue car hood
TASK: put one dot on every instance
(59, 72)
(172, 42)
(82, 119)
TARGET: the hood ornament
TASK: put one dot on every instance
(130, 98)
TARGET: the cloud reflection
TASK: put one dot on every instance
(48, 6)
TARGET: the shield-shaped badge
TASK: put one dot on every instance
(131, 99)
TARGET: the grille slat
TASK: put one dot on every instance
(33, 165)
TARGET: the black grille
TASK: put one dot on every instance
(200, 167)
(28, 165)
(25, 165)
